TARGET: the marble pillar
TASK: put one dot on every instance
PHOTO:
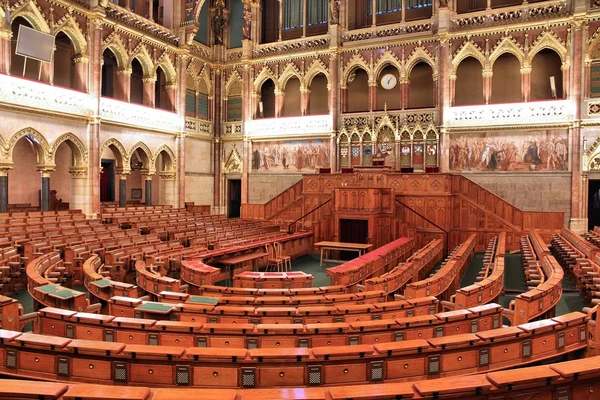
(95, 88)
(45, 190)
(3, 190)
(149, 89)
(487, 86)
(122, 190)
(123, 89)
(403, 93)
(168, 190)
(78, 198)
(577, 223)
(5, 41)
(279, 101)
(147, 190)
(525, 83)
(304, 101)
(333, 88)
(81, 73)
(445, 99)
(181, 168)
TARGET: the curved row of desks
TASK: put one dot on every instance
(47, 357)
(577, 379)
(448, 276)
(240, 335)
(419, 263)
(541, 300)
(371, 264)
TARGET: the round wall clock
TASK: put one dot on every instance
(388, 81)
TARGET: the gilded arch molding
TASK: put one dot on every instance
(80, 153)
(171, 164)
(121, 155)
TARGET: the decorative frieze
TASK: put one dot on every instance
(387, 32)
(286, 127)
(145, 25)
(560, 9)
(289, 48)
(233, 128)
(198, 126)
(137, 115)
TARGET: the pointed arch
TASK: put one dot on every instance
(507, 45)
(171, 164)
(593, 48)
(387, 58)
(234, 80)
(317, 67)
(548, 40)
(114, 43)
(69, 26)
(146, 152)
(80, 153)
(469, 49)
(205, 77)
(141, 54)
(290, 71)
(420, 54)
(262, 77)
(42, 148)
(32, 13)
(121, 155)
(357, 61)
(164, 62)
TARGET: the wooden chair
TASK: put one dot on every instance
(287, 260)
(272, 259)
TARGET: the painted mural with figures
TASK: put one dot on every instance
(540, 150)
(297, 156)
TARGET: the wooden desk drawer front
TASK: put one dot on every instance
(36, 362)
(345, 373)
(173, 339)
(294, 376)
(92, 369)
(152, 374)
(53, 327)
(215, 376)
(131, 337)
(458, 361)
(89, 333)
(415, 366)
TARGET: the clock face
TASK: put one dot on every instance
(388, 81)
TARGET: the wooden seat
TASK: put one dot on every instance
(272, 259)
(287, 260)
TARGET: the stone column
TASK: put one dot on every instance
(168, 190)
(122, 189)
(487, 86)
(79, 176)
(148, 189)
(304, 100)
(81, 72)
(333, 88)
(403, 93)
(123, 91)
(149, 91)
(45, 190)
(95, 88)
(5, 38)
(526, 83)
(586, 78)
(179, 183)
(333, 151)
(4, 190)
(445, 99)
(172, 96)
(344, 100)
(279, 100)
(372, 95)
(181, 167)
(217, 132)
(577, 223)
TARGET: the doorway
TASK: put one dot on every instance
(353, 231)
(234, 200)
(107, 181)
(593, 203)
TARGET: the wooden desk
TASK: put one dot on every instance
(326, 247)
(30, 389)
(240, 259)
(100, 392)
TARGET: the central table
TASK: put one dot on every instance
(240, 259)
(326, 247)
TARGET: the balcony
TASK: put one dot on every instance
(42, 96)
(553, 112)
(198, 126)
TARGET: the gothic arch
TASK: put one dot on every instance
(417, 56)
(30, 11)
(317, 67)
(142, 55)
(357, 61)
(468, 50)
(290, 71)
(115, 44)
(121, 155)
(80, 154)
(265, 74)
(168, 68)
(42, 148)
(171, 163)
(204, 76)
(387, 58)
(507, 45)
(69, 26)
(547, 40)
(234, 79)
(147, 153)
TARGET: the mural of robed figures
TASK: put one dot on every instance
(545, 150)
(302, 156)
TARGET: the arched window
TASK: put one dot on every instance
(318, 103)
(469, 82)
(389, 97)
(234, 102)
(109, 74)
(421, 87)
(506, 79)
(358, 91)
(64, 67)
(161, 96)
(291, 101)
(267, 99)
(546, 76)
(136, 84)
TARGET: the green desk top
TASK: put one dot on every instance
(202, 300)
(47, 288)
(154, 307)
(102, 283)
(65, 294)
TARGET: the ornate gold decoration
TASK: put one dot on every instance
(121, 155)
(80, 153)
(169, 162)
(150, 161)
(233, 164)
